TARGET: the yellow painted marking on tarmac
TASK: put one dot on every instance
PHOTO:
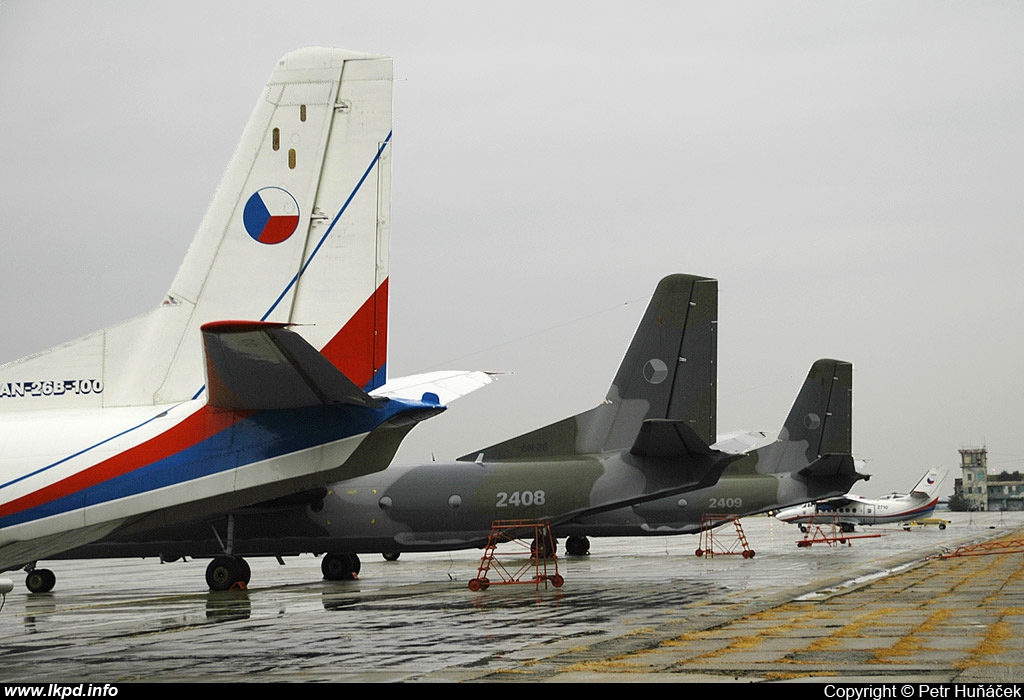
(914, 642)
(994, 643)
(607, 666)
(781, 676)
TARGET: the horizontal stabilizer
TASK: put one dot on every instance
(438, 387)
(663, 437)
(411, 417)
(837, 502)
(741, 443)
(831, 466)
(254, 365)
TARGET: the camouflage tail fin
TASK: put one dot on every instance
(816, 438)
(668, 372)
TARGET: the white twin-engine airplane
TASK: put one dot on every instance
(262, 372)
(850, 510)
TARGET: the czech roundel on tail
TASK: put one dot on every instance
(262, 372)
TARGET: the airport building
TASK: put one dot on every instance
(984, 491)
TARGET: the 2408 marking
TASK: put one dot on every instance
(520, 498)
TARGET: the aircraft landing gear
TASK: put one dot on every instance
(223, 573)
(342, 566)
(543, 547)
(227, 572)
(391, 556)
(577, 545)
(40, 580)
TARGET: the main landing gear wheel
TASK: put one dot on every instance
(577, 546)
(391, 556)
(40, 580)
(543, 548)
(225, 572)
(340, 567)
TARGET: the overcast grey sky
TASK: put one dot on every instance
(850, 172)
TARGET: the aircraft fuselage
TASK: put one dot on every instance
(145, 467)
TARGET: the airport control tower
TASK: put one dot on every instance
(974, 463)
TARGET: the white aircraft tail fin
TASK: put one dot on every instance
(928, 486)
(297, 233)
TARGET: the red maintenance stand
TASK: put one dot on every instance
(712, 544)
(828, 530)
(523, 538)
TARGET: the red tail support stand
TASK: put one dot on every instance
(711, 545)
(832, 534)
(531, 539)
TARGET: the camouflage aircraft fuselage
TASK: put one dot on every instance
(425, 507)
(454, 504)
(741, 491)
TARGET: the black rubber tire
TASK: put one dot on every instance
(40, 581)
(577, 546)
(222, 573)
(340, 566)
(244, 572)
(544, 548)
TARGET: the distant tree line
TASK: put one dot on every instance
(958, 503)
(1006, 476)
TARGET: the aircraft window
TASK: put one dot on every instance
(302, 113)
(454, 501)
(277, 139)
(385, 503)
(291, 158)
